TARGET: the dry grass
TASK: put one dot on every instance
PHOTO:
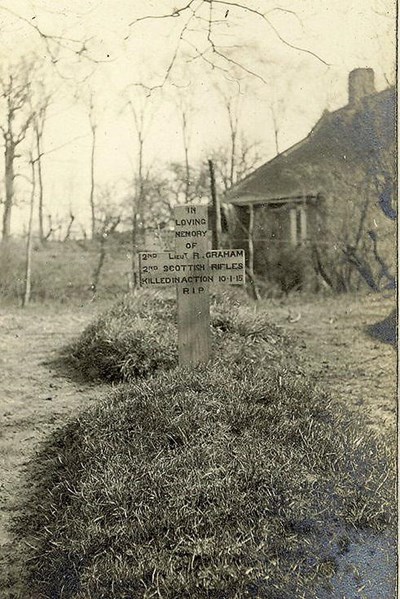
(62, 272)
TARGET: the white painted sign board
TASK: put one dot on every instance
(170, 268)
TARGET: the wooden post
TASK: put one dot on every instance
(216, 209)
(293, 226)
(250, 243)
(303, 223)
(191, 226)
(250, 240)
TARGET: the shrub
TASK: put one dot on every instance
(228, 481)
(289, 269)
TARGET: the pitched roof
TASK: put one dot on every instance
(354, 134)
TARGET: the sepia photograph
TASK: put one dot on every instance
(198, 299)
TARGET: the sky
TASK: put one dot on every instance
(119, 53)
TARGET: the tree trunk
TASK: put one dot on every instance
(9, 181)
(140, 207)
(187, 182)
(40, 183)
(68, 233)
(134, 244)
(137, 211)
(98, 269)
(232, 175)
(276, 130)
(186, 149)
(233, 126)
(91, 196)
(105, 234)
(28, 261)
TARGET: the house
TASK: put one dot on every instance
(322, 197)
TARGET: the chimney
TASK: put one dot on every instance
(361, 84)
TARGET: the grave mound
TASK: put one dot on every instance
(228, 480)
(137, 336)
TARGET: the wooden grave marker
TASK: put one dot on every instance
(191, 268)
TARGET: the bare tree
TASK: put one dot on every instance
(38, 128)
(275, 128)
(50, 230)
(93, 130)
(138, 196)
(232, 109)
(231, 99)
(109, 225)
(38, 124)
(15, 92)
(216, 210)
(86, 96)
(183, 99)
(69, 227)
(109, 214)
(236, 158)
(142, 114)
(247, 158)
(359, 224)
(28, 259)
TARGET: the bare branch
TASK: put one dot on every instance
(174, 56)
(287, 11)
(46, 38)
(55, 43)
(57, 148)
(23, 129)
(238, 64)
(176, 13)
(208, 24)
(274, 29)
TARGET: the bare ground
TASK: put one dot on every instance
(34, 400)
(354, 366)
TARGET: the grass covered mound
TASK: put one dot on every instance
(138, 336)
(224, 482)
(133, 338)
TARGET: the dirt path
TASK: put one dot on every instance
(355, 367)
(33, 401)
